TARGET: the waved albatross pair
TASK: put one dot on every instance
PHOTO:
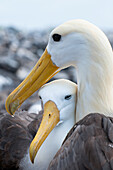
(84, 46)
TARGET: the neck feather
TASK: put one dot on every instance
(95, 82)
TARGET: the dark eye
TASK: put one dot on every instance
(67, 97)
(56, 37)
(40, 97)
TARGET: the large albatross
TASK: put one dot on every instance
(84, 46)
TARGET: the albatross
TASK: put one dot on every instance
(80, 44)
(16, 133)
(84, 46)
(58, 98)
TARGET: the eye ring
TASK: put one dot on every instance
(68, 97)
(56, 37)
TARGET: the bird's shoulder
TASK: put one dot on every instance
(16, 134)
(88, 145)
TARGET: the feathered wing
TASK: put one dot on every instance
(88, 146)
(16, 134)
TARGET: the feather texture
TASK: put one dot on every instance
(16, 134)
(88, 146)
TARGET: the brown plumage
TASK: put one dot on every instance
(88, 146)
(16, 134)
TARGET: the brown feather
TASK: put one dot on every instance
(16, 134)
(88, 146)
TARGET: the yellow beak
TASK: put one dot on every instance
(41, 73)
(50, 119)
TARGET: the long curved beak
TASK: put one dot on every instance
(50, 119)
(40, 74)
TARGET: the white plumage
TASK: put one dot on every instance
(56, 92)
(86, 47)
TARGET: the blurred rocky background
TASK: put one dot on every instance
(19, 52)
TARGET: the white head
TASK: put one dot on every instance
(77, 42)
(63, 94)
(59, 106)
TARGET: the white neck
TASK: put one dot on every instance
(49, 148)
(95, 82)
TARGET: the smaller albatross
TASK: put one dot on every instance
(58, 99)
(17, 132)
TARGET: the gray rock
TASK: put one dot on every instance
(22, 73)
(24, 53)
(5, 81)
(9, 64)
